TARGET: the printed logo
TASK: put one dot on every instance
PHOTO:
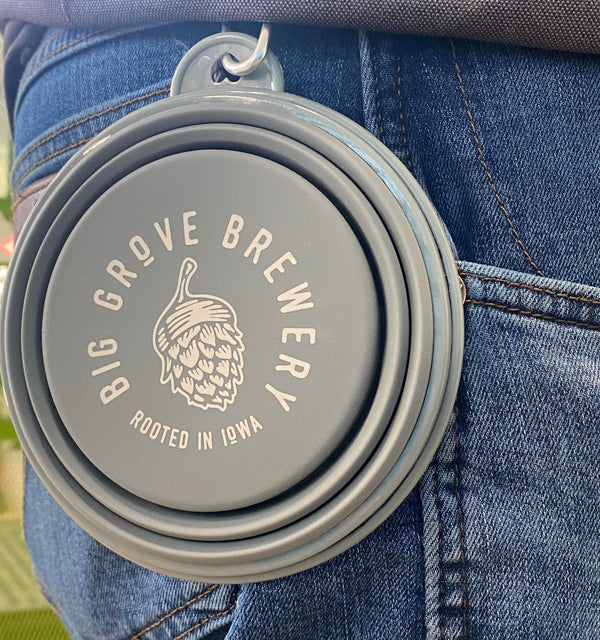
(200, 346)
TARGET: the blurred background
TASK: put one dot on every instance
(24, 613)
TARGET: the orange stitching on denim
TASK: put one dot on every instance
(461, 526)
(485, 166)
(53, 38)
(401, 114)
(205, 621)
(43, 45)
(27, 194)
(533, 314)
(60, 49)
(530, 287)
(181, 607)
(378, 100)
(54, 154)
(98, 114)
(440, 541)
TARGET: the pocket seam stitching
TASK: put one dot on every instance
(43, 45)
(171, 613)
(60, 49)
(205, 621)
(485, 166)
(461, 528)
(27, 194)
(534, 314)
(51, 156)
(440, 545)
(378, 101)
(530, 287)
(72, 125)
(407, 156)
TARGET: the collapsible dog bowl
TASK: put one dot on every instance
(232, 335)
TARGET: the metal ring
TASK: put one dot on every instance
(258, 55)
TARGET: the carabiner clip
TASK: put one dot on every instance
(246, 67)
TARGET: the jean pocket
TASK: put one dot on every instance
(512, 500)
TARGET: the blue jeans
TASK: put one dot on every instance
(501, 537)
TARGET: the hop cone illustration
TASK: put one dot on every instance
(200, 345)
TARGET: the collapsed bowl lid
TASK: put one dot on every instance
(241, 335)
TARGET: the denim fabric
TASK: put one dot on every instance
(501, 538)
(516, 484)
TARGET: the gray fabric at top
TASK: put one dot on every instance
(572, 25)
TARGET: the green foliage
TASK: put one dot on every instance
(7, 431)
(5, 163)
(42, 624)
(6, 207)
